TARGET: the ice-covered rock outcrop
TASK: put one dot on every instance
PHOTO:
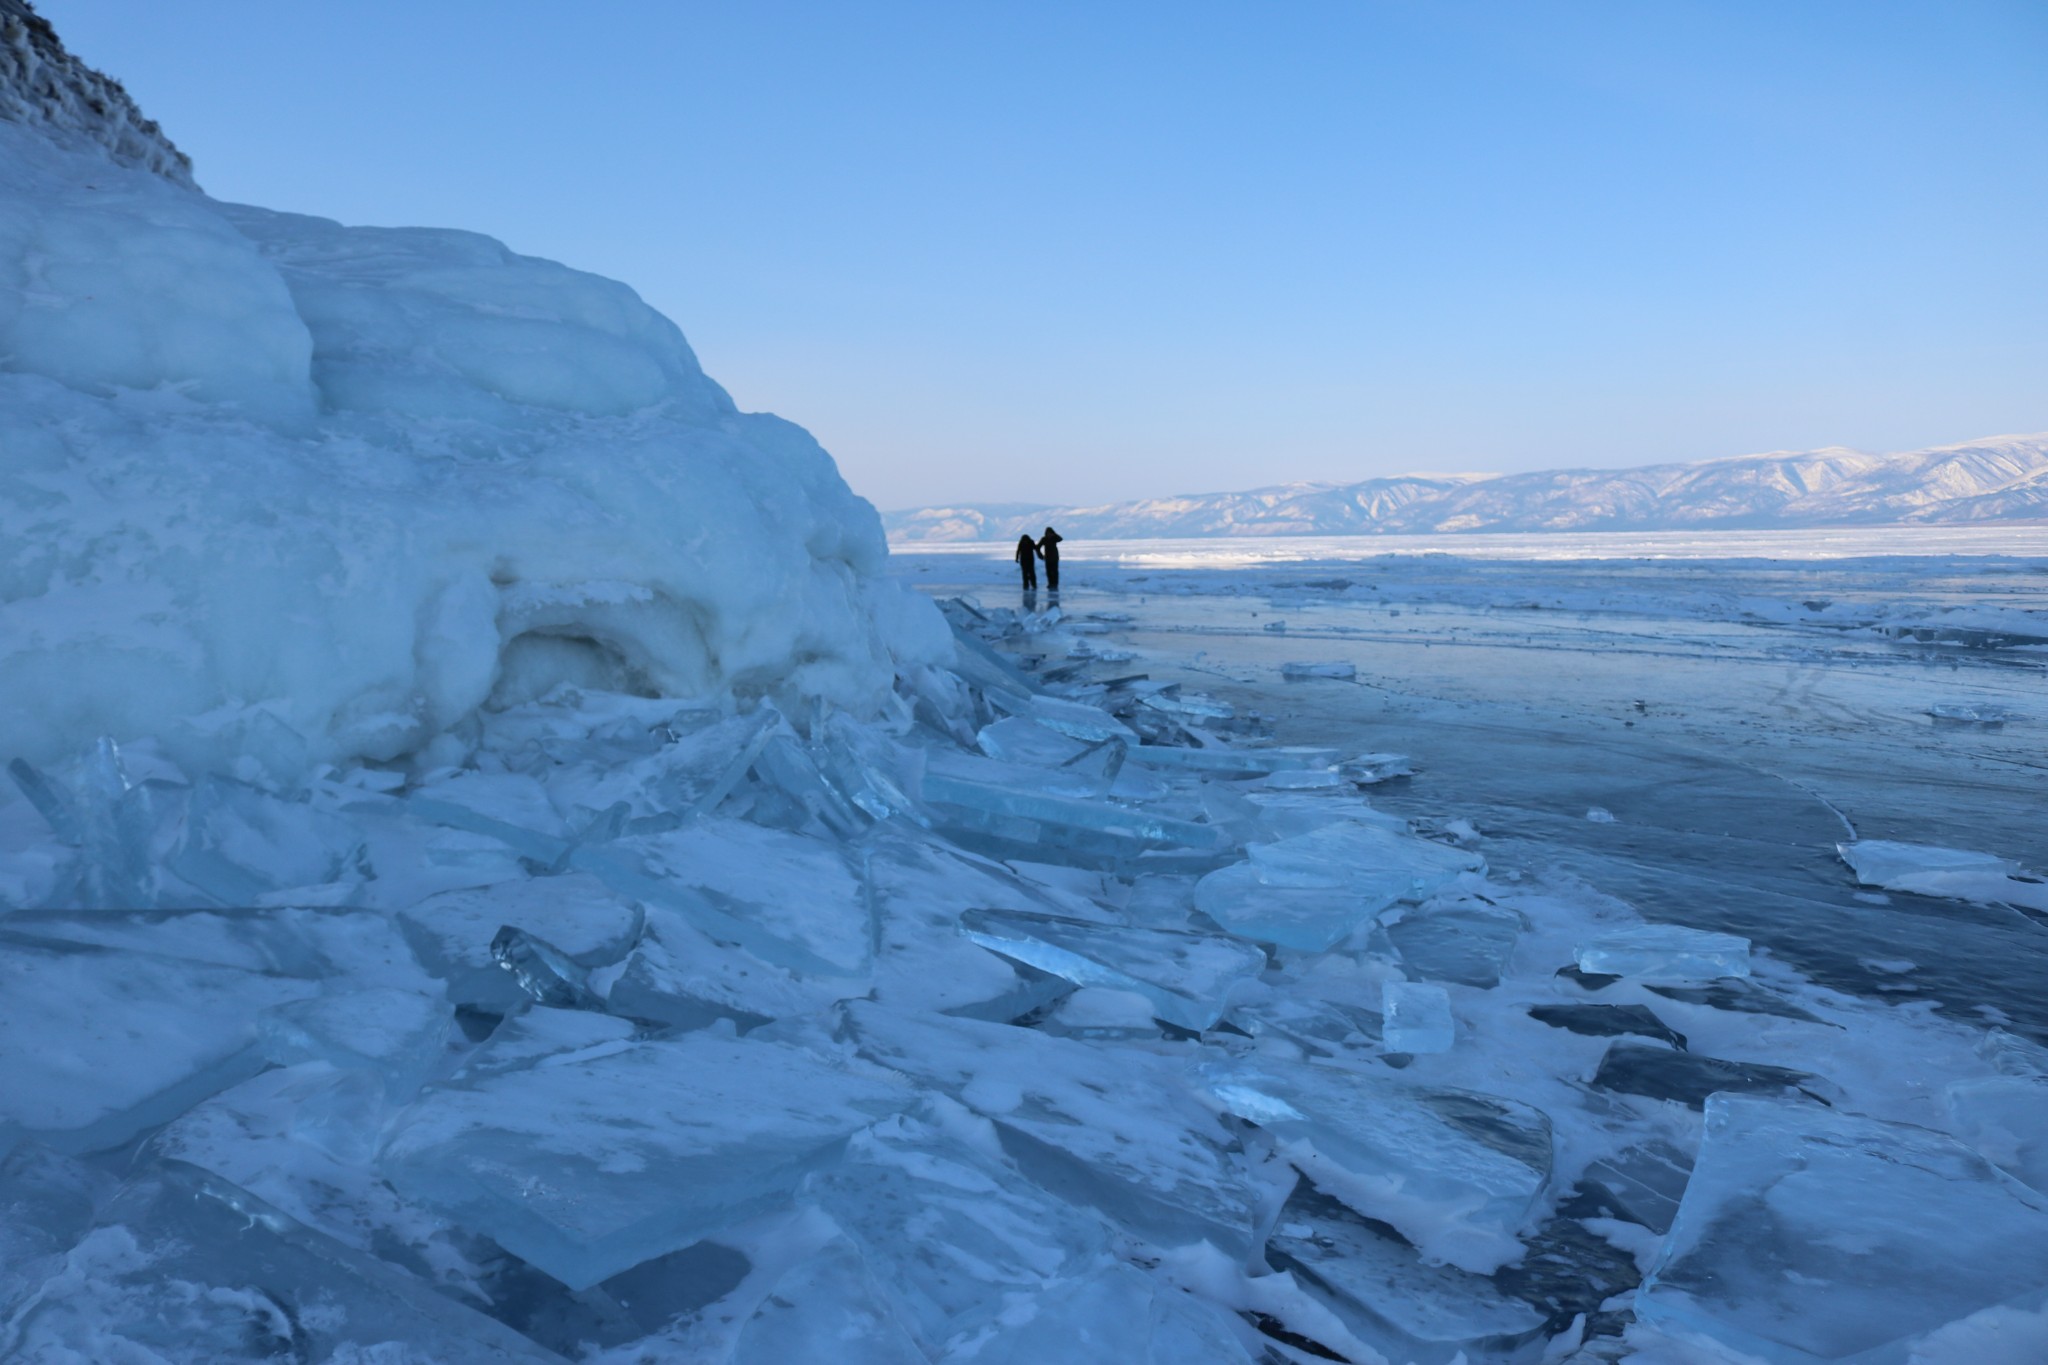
(43, 85)
(268, 469)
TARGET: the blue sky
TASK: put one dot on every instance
(1057, 251)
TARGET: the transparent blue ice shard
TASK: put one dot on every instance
(1037, 816)
(954, 1233)
(1121, 1130)
(1233, 762)
(399, 1035)
(1188, 977)
(1665, 952)
(828, 1307)
(1468, 941)
(1416, 1017)
(1453, 1171)
(1810, 1234)
(207, 1271)
(1309, 919)
(241, 843)
(1367, 857)
(544, 972)
(593, 1161)
(1074, 719)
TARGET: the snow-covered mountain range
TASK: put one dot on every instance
(1997, 478)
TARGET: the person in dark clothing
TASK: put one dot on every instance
(1049, 550)
(1027, 560)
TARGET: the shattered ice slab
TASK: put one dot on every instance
(952, 1231)
(1665, 952)
(828, 1307)
(1416, 1018)
(785, 897)
(400, 1035)
(184, 1266)
(241, 843)
(1017, 740)
(1367, 857)
(1234, 762)
(589, 1162)
(1309, 919)
(1341, 671)
(47, 1202)
(1468, 942)
(1955, 873)
(1076, 720)
(576, 913)
(1032, 817)
(97, 1044)
(1808, 1234)
(1188, 977)
(2005, 1118)
(1120, 1315)
(1117, 1129)
(1384, 1292)
(1453, 1171)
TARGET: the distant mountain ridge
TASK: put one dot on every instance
(1996, 478)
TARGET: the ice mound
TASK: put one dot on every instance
(1807, 1234)
(269, 472)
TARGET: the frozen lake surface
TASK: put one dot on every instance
(1737, 717)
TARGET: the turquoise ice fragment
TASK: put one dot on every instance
(1187, 976)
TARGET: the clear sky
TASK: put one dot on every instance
(1075, 250)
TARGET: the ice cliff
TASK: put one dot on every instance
(361, 481)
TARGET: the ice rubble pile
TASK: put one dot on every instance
(1045, 1017)
(550, 900)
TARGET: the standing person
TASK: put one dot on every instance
(1049, 550)
(1027, 560)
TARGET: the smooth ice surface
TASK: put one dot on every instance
(1120, 1130)
(1309, 918)
(1665, 952)
(1952, 872)
(1810, 1234)
(1417, 1017)
(588, 1162)
(1187, 977)
(1455, 1172)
